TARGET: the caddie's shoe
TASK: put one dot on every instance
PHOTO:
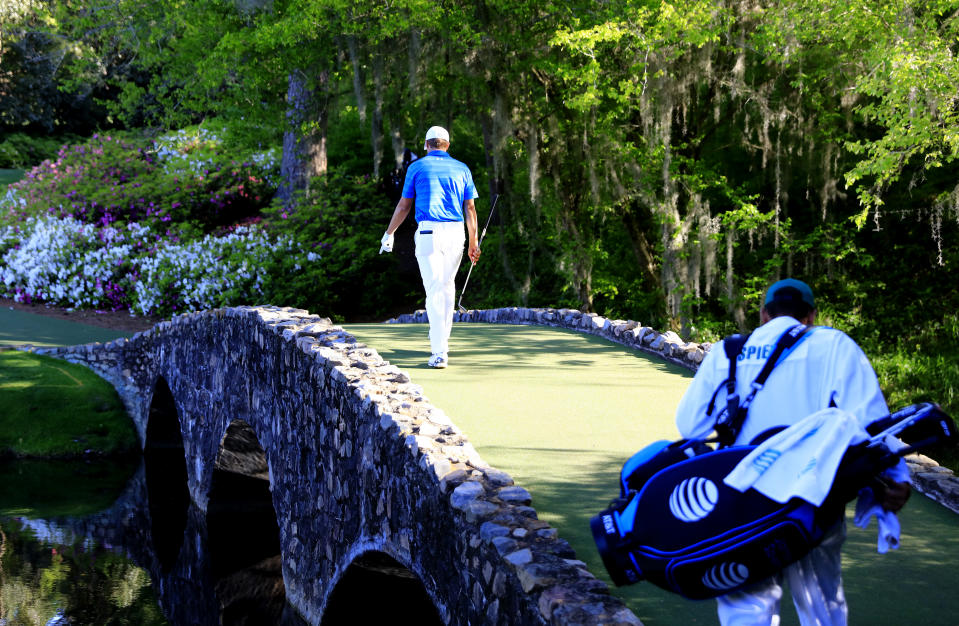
(438, 361)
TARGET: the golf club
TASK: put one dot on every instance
(459, 305)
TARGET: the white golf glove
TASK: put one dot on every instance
(386, 243)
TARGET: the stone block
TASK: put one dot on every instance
(515, 495)
(520, 557)
(498, 478)
(480, 510)
(466, 493)
(490, 530)
(504, 545)
(537, 576)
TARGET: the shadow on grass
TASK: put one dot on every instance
(915, 584)
(487, 346)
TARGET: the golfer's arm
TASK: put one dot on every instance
(399, 214)
(470, 213)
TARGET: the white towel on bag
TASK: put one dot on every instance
(866, 508)
(800, 461)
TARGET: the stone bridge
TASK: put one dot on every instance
(274, 421)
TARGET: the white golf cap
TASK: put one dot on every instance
(437, 132)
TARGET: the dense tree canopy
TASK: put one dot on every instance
(658, 160)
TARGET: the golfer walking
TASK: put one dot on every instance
(442, 190)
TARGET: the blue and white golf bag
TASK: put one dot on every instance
(679, 526)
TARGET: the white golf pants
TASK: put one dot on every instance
(439, 250)
(815, 582)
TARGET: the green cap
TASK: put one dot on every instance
(783, 290)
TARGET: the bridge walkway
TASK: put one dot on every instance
(560, 411)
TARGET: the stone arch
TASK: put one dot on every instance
(166, 476)
(377, 589)
(243, 531)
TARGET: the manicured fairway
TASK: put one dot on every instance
(17, 327)
(560, 411)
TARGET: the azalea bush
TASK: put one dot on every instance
(66, 262)
(159, 226)
(112, 178)
(242, 266)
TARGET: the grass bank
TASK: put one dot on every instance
(54, 409)
(8, 177)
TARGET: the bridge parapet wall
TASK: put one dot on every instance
(668, 345)
(359, 461)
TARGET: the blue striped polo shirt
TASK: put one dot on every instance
(439, 184)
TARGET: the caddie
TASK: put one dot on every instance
(825, 369)
(442, 191)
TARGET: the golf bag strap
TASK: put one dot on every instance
(732, 346)
(736, 411)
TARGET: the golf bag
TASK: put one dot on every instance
(679, 526)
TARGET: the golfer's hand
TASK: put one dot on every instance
(893, 495)
(386, 243)
(474, 252)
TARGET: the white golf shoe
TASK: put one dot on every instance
(439, 361)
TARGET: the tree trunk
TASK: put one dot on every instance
(304, 142)
(376, 118)
(358, 91)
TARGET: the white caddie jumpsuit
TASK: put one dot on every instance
(826, 368)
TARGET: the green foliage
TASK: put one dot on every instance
(22, 151)
(921, 365)
(82, 412)
(43, 88)
(660, 161)
(341, 220)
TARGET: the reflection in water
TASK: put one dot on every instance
(48, 489)
(49, 575)
(123, 566)
(151, 557)
(244, 536)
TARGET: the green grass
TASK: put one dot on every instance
(19, 327)
(51, 408)
(8, 177)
